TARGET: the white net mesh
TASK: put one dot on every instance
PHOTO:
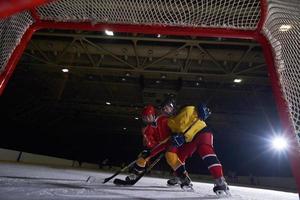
(238, 14)
(283, 31)
(11, 31)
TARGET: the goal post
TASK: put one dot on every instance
(275, 24)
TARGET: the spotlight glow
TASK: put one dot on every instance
(279, 143)
(108, 32)
(237, 80)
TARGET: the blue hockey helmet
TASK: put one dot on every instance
(203, 111)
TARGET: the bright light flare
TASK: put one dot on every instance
(109, 33)
(279, 143)
(65, 70)
(237, 80)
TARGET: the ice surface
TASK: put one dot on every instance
(29, 182)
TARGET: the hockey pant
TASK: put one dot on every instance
(201, 144)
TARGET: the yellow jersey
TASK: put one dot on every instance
(186, 122)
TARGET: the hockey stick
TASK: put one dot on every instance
(119, 171)
(157, 149)
(148, 169)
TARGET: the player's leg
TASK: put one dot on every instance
(206, 151)
(176, 159)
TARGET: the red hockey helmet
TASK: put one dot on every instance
(148, 110)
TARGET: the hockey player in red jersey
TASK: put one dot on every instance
(168, 107)
(155, 133)
(191, 134)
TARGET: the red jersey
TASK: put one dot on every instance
(155, 133)
(162, 127)
(150, 136)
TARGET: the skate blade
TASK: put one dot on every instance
(223, 194)
(188, 188)
(176, 185)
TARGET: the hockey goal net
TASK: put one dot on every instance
(273, 23)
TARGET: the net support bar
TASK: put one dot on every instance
(153, 29)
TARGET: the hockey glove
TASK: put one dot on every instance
(178, 140)
(203, 111)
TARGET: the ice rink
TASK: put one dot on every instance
(33, 182)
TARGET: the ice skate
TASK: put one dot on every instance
(221, 187)
(186, 182)
(175, 181)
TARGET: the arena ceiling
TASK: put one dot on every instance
(132, 70)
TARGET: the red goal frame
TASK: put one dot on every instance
(256, 35)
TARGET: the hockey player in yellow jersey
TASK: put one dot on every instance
(190, 134)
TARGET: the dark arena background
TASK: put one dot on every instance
(74, 78)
